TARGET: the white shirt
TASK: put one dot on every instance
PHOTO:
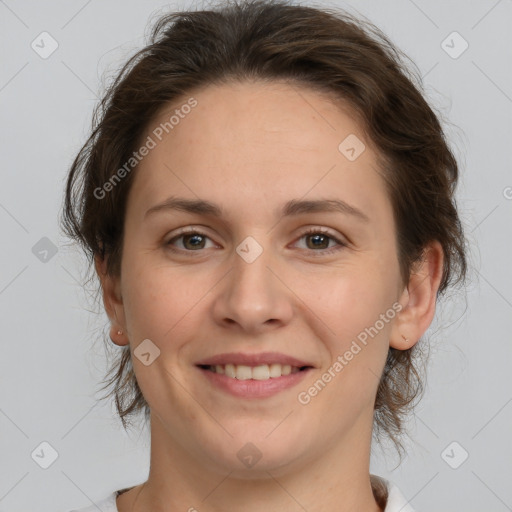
(396, 501)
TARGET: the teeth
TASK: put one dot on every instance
(262, 372)
(230, 371)
(243, 372)
(275, 370)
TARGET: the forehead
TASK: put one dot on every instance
(266, 141)
(253, 113)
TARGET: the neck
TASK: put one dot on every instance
(338, 479)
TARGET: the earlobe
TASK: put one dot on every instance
(112, 302)
(419, 299)
(117, 336)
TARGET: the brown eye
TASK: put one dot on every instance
(188, 241)
(318, 241)
(194, 241)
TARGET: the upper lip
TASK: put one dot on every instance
(238, 358)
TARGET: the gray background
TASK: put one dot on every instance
(50, 365)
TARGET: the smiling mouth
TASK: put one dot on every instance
(260, 372)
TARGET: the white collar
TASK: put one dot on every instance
(396, 501)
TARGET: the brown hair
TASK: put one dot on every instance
(327, 50)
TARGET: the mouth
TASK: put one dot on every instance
(253, 382)
(260, 372)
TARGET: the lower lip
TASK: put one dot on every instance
(252, 388)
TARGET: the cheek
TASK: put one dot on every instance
(356, 306)
(359, 315)
(157, 299)
(348, 296)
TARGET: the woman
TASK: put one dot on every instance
(268, 201)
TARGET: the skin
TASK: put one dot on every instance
(250, 147)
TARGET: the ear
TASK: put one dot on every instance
(113, 302)
(418, 299)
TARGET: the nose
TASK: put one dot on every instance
(252, 297)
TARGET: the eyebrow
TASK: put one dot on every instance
(290, 208)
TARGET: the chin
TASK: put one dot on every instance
(254, 455)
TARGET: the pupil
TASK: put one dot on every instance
(316, 239)
(188, 238)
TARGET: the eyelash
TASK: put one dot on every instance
(311, 231)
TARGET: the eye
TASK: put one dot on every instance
(319, 239)
(192, 240)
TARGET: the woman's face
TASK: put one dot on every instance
(254, 281)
